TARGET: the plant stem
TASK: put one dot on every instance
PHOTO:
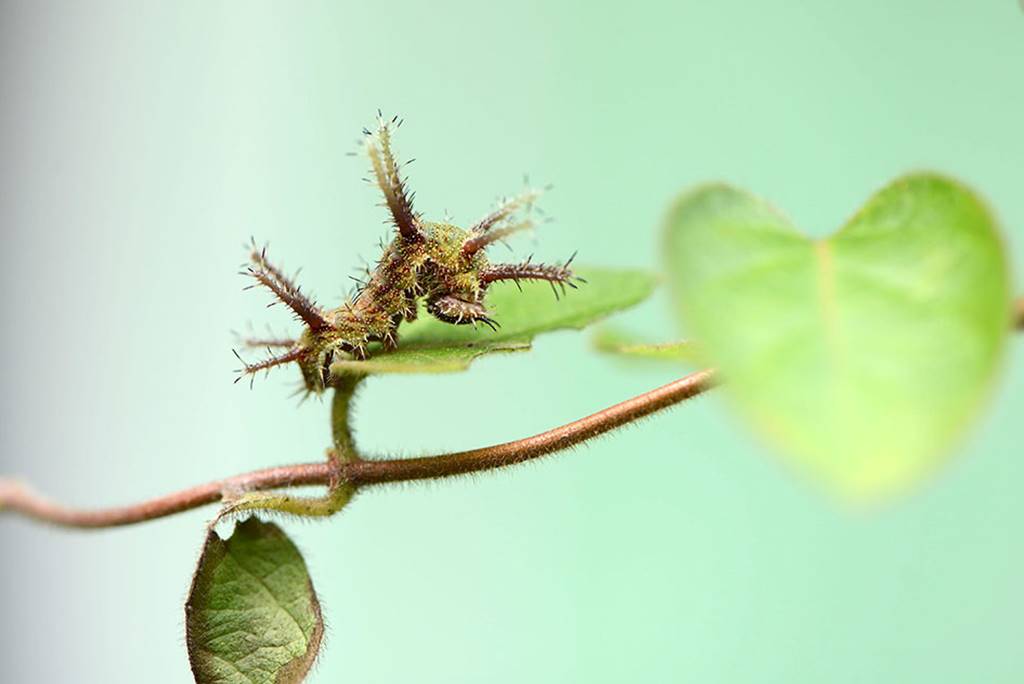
(18, 499)
(339, 490)
(346, 470)
(341, 415)
(510, 453)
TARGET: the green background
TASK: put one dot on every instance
(139, 148)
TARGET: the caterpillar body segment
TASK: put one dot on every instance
(439, 263)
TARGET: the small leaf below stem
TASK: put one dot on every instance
(252, 616)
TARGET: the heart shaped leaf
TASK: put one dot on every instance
(863, 355)
(252, 616)
(430, 346)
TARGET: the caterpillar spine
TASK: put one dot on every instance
(437, 262)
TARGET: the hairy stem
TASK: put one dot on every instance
(350, 473)
(17, 498)
(341, 417)
(344, 471)
(339, 489)
(511, 453)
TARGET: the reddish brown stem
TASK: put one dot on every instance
(510, 453)
(16, 498)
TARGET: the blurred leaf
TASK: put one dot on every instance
(863, 355)
(620, 343)
(252, 616)
(430, 346)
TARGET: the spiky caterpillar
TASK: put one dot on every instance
(442, 264)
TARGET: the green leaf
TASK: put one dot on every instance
(864, 355)
(620, 343)
(252, 616)
(430, 346)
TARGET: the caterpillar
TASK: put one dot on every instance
(438, 263)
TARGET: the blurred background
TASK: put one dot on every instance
(142, 143)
